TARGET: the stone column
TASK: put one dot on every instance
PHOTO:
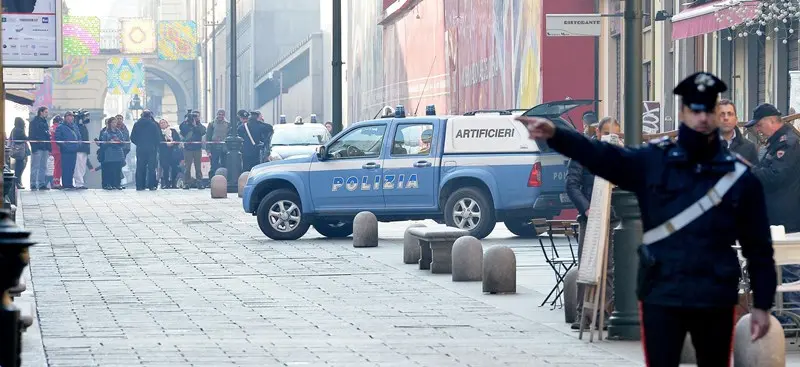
(624, 321)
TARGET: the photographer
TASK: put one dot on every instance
(81, 119)
(192, 132)
(146, 134)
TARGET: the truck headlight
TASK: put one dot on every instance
(274, 157)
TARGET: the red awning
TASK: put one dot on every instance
(712, 17)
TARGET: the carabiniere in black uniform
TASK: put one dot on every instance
(689, 272)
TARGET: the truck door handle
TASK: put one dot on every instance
(422, 164)
(371, 165)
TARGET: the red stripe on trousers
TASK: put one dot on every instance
(641, 330)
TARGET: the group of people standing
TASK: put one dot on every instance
(159, 149)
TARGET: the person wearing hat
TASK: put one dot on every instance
(266, 134)
(252, 132)
(696, 201)
(217, 132)
(779, 169)
(68, 134)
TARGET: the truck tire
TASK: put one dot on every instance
(280, 216)
(470, 208)
(334, 229)
(521, 227)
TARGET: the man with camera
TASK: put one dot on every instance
(84, 148)
(146, 134)
(192, 132)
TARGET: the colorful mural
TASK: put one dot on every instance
(44, 94)
(137, 36)
(81, 35)
(177, 40)
(74, 71)
(125, 75)
(473, 54)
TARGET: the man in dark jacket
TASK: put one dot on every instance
(39, 130)
(266, 134)
(215, 139)
(688, 276)
(579, 186)
(146, 134)
(731, 136)
(252, 132)
(82, 160)
(192, 132)
(68, 131)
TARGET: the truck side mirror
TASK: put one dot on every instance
(322, 153)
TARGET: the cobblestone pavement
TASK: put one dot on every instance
(174, 278)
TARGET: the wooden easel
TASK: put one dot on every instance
(594, 258)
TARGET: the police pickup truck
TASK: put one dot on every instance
(466, 171)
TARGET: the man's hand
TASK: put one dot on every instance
(586, 213)
(538, 128)
(759, 323)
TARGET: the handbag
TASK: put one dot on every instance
(18, 151)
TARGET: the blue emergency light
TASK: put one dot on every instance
(400, 111)
(313, 118)
(430, 110)
(282, 119)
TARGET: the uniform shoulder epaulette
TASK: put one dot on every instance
(741, 159)
(662, 142)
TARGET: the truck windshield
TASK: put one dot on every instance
(300, 136)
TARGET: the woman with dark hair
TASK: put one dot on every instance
(113, 142)
(19, 149)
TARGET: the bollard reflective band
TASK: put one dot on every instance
(694, 211)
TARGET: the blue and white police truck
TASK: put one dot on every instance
(466, 171)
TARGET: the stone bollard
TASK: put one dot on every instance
(243, 181)
(365, 230)
(411, 252)
(222, 171)
(219, 187)
(571, 300)
(499, 270)
(467, 257)
(769, 351)
(688, 356)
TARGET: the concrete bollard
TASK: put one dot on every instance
(499, 270)
(411, 252)
(222, 171)
(219, 187)
(571, 300)
(467, 259)
(769, 351)
(243, 181)
(688, 355)
(365, 230)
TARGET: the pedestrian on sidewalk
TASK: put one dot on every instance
(167, 155)
(192, 132)
(696, 200)
(215, 137)
(69, 135)
(146, 134)
(55, 151)
(82, 161)
(113, 155)
(20, 150)
(39, 131)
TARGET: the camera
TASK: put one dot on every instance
(81, 116)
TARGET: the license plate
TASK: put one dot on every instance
(564, 198)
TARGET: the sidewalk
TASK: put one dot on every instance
(174, 278)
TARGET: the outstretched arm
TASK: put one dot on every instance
(623, 167)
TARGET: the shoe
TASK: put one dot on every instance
(20, 187)
(44, 188)
(139, 189)
(186, 187)
(82, 188)
(153, 188)
(120, 187)
(33, 188)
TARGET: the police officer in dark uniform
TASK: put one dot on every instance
(779, 170)
(696, 201)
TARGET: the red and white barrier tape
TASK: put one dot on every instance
(110, 142)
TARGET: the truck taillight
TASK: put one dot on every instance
(535, 179)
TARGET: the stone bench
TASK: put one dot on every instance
(436, 246)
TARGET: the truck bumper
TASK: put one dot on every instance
(555, 202)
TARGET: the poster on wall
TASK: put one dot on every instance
(651, 118)
(794, 90)
(32, 33)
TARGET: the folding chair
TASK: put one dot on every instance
(560, 265)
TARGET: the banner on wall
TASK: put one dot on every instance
(125, 75)
(81, 36)
(137, 36)
(74, 71)
(177, 40)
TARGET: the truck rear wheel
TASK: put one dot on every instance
(521, 227)
(334, 229)
(470, 208)
(280, 216)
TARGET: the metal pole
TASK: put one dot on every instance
(205, 62)
(624, 321)
(336, 83)
(233, 142)
(214, 56)
(2, 111)
(280, 93)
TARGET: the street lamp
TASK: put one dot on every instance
(233, 142)
(14, 243)
(136, 105)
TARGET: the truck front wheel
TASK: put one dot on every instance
(471, 209)
(280, 216)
